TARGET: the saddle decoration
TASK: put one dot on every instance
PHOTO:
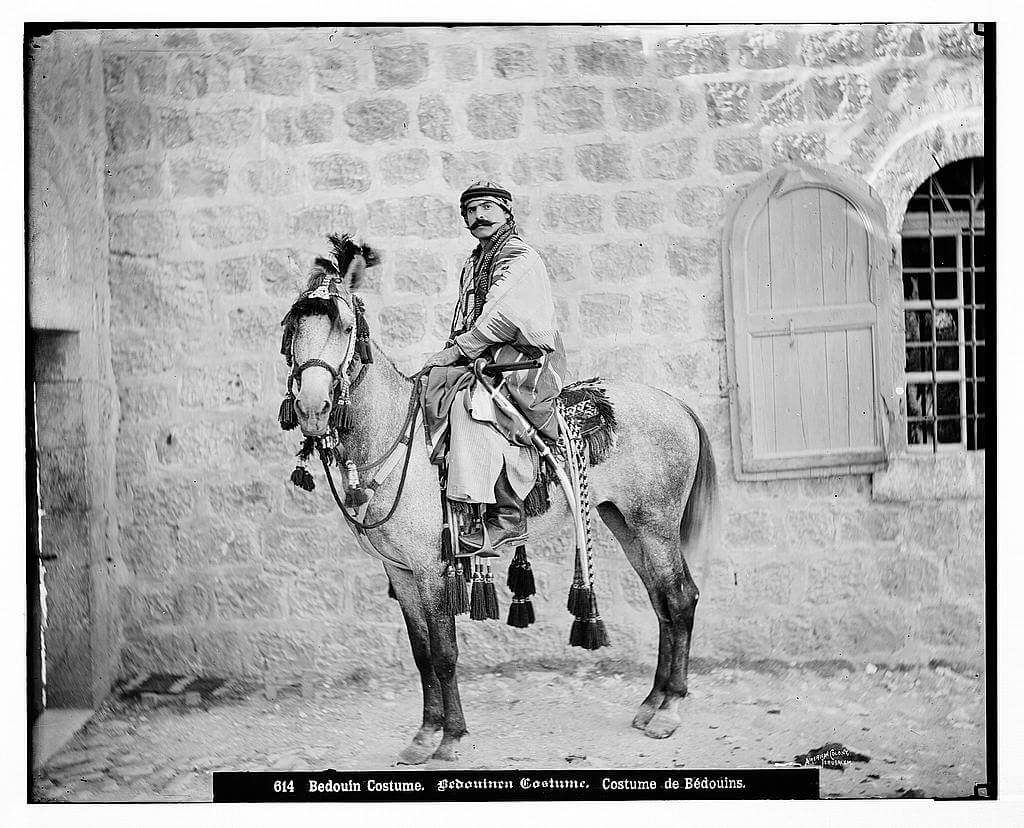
(590, 423)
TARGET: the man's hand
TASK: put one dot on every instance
(449, 356)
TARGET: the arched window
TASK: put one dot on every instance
(947, 299)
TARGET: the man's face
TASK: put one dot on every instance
(484, 217)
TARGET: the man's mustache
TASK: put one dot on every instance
(480, 223)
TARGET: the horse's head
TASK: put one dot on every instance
(325, 337)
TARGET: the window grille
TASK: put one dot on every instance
(947, 293)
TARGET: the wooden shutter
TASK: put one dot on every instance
(807, 300)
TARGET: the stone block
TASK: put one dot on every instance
(668, 159)
(339, 171)
(294, 549)
(833, 47)
(898, 40)
(460, 63)
(218, 386)
(897, 82)
(139, 403)
(324, 598)
(627, 261)
(255, 329)
(420, 271)
(193, 77)
(961, 43)
(603, 162)
(156, 295)
(234, 276)
(640, 110)
(115, 74)
(143, 232)
(251, 499)
(516, 60)
(174, 127)
(693, 259)
(270, 74)
(573, 213)
(400, 66)
(802, 146)
(377, 119)
(336, 71)
(570, 109)
(230, 40)
(150, 73)
(494, 117)
(198, 177)
(616, 58)
(605, 315)
(163, 500)
(134, 353)
(355, 650)
(751, 529)
(699, 55)
(841, 97)
(245, 597)
(727, 103)
(225, 128)
(908, 576)
(813, 529)
(219, 227)
(460, 169)
(286, 650)
(64, 479)
(435, 118)
(782, 102)
(562, 262)
(293, 126)
(539, 167)
(402, 326)
(765, 49)
(867, 526)
(845, 579)
(700, 206)
(945, 624)
(405, 167)
(133, 182)
(423, 216)
(663, 311)
(319, 221)
(638, 210)
(272, 177)
(736, 155)
(690, 368)
(129, 127)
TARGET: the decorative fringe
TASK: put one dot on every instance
(363, 350)
(491, 596)
(303, 479)
(477, 601)
(286, 415)
(520, 575)
(587, 404)
(306, 449)
(538, 501)
(579, 600)
(588, 630)
(355, 494)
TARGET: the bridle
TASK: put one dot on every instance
(329, 446)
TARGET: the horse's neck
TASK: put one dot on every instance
(379, 406)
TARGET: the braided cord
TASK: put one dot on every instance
(580, 461)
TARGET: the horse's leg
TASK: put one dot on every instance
(659, 561)
(444, 654)
(408, 595)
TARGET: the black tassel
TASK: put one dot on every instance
(520, 575)
(363, 351)
(576, 633)
(520, 613)
(579, 600)
(461, 592)
(334, 421)
(455, 602)
(477, 602)
(346, 417)
(303, 479)
(306, 449)
(491, 596)
(286, 415)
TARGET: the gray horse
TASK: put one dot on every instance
(656, 491)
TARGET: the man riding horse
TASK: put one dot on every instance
(505, 313)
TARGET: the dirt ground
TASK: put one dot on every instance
(923, 729)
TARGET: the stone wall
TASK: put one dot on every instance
(231, 153)
(76, 399)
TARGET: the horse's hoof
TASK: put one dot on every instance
(663, 725)
(414, 754)
(446, 753)
(643, 716)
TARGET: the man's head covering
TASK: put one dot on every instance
(489, 190)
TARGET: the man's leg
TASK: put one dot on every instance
(505, 519)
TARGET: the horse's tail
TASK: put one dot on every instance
(699, 524)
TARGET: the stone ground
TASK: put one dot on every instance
(922, 728)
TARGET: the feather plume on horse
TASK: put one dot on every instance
(653, 483)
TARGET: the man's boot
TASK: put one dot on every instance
(505, 519)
